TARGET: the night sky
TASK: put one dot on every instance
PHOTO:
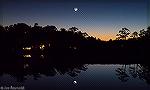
(101, 18)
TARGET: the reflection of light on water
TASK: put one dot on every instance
(26, 65)
(27, 48)
(49, 44)
(42, 56)
(74, 82)
(26, 55)
(73, 47)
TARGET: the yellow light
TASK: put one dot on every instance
(26, 55)
(42, 47)
(27, 48)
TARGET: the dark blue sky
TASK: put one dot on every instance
(96, 17)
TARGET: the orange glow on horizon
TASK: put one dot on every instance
(103, 36)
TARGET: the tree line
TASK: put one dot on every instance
(124, 33)
(76, 45)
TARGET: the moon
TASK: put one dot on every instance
(75, 9)
(74, 82)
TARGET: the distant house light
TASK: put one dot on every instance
(26, 55)
(42, 46)
(27, 48)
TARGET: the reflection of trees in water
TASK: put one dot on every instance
(141, 71)
(122, 74)
(22, 72)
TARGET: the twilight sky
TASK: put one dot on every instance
(101, 18)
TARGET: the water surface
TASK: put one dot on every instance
(80, 77)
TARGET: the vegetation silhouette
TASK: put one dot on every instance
(71, 45)
(123, 34)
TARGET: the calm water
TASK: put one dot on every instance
(81, 77)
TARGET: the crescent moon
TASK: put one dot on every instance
(75, 9)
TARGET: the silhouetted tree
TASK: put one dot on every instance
(36, 28)
(123, 34)
(53, 28)
(134, 35)
(63, 30)
(73, 43)
(2, 29)
(36, 24)
(73, 29)
(148, 33)
(142, 33)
